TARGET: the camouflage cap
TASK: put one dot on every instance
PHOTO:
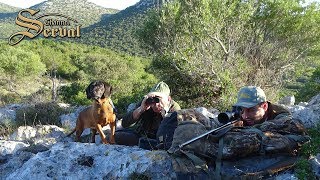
(162, 88)
(250, 96)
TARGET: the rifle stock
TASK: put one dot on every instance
(209, 132)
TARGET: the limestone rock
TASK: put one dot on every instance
(46, 134)
(288, 101)
(91, 161)
(315, 161)
(8, 113)
(10, 147)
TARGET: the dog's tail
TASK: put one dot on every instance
(71, 132)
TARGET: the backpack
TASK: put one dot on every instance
(166, 130)
(235, 145)
(169, 124)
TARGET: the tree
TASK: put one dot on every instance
(18, 65)
(212, 47)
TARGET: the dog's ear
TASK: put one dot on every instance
(89, 91)
(107, 90)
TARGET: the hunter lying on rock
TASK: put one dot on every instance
(263, 132)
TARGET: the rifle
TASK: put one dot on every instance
(209, 132)
(231, 117)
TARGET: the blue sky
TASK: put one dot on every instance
(115, 4)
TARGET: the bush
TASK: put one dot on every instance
(311, 88)
(74, 94)
(213, 47)
(42, 95)
(9, 98)
(7, 127)
(40, 114)
(303, 168)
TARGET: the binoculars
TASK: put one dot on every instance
(152, 100)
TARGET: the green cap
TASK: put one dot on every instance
(162, 88)
(250, 96)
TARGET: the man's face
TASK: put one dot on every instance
(255, 113)
(162, 104)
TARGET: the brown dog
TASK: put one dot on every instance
(98, 115)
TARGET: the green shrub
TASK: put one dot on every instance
(7, 127)
(9, 98)
(42, 95)
(40, 114)
(313, 147)
(303, 168)
(311, 88)
(74, 94)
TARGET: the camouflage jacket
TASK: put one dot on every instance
(280, 120)
(148, 123)
(274, 112)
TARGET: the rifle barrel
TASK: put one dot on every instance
(209, 132)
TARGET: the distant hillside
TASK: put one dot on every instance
(86, 13)
(117, 31)
(4, 8)
(7, 16)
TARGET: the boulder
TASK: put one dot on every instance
(315, 100)
(10, 147)
(91, 161)
(287, 101)
(8, 113)
(38, 134)
(68, 121)
(11, 162)
(315, 162)
(131, 107)
(308, 113)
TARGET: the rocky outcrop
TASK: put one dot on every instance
(288, 101)
(10, 147)
(315, 162)
(46, 135)
(91, 161)
(8, 113)
(308, 112)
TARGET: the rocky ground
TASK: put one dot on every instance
(43, 152)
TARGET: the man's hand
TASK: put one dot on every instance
(238, 124)
(143, 107)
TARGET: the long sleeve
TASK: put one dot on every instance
(128, 120)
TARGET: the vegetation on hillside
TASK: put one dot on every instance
(211, 48)
(118, 32)
(85, 12)
(29, 69)
(4, 8)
